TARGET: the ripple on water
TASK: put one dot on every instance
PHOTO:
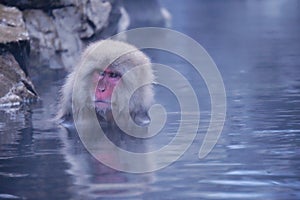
(228, 195)
(13, 175)
(240, 182)
(276, 131)
(247, 172)
(9, 196)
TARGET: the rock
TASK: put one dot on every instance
(60, 29)
(37, 4)
(14, 50)
(15, 86)
(91, 14)
(44, 39)
(146, 13)
(59, 36)
(74, 35)
(13, 35)
(116, 21)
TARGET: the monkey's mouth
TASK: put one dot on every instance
(102, 101)
(102, 104)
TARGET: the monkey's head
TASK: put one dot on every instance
(101, 69)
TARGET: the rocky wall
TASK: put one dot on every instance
(45, 34)
(15, 86)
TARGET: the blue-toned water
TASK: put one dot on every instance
(256, 46)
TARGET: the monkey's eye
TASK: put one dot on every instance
(114, 75)
(101, 73)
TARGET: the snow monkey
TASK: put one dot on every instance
(99, 71)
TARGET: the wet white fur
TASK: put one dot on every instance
(99, 56)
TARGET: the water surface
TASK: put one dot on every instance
(256, 46)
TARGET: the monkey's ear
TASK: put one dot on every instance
(141, 118)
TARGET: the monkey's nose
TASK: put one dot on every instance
(102, 84)
(101, 89)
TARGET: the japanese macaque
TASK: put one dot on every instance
(102, 67)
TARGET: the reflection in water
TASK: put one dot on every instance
(256, 47)
(95, 180)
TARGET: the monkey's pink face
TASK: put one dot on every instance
(105, 83)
